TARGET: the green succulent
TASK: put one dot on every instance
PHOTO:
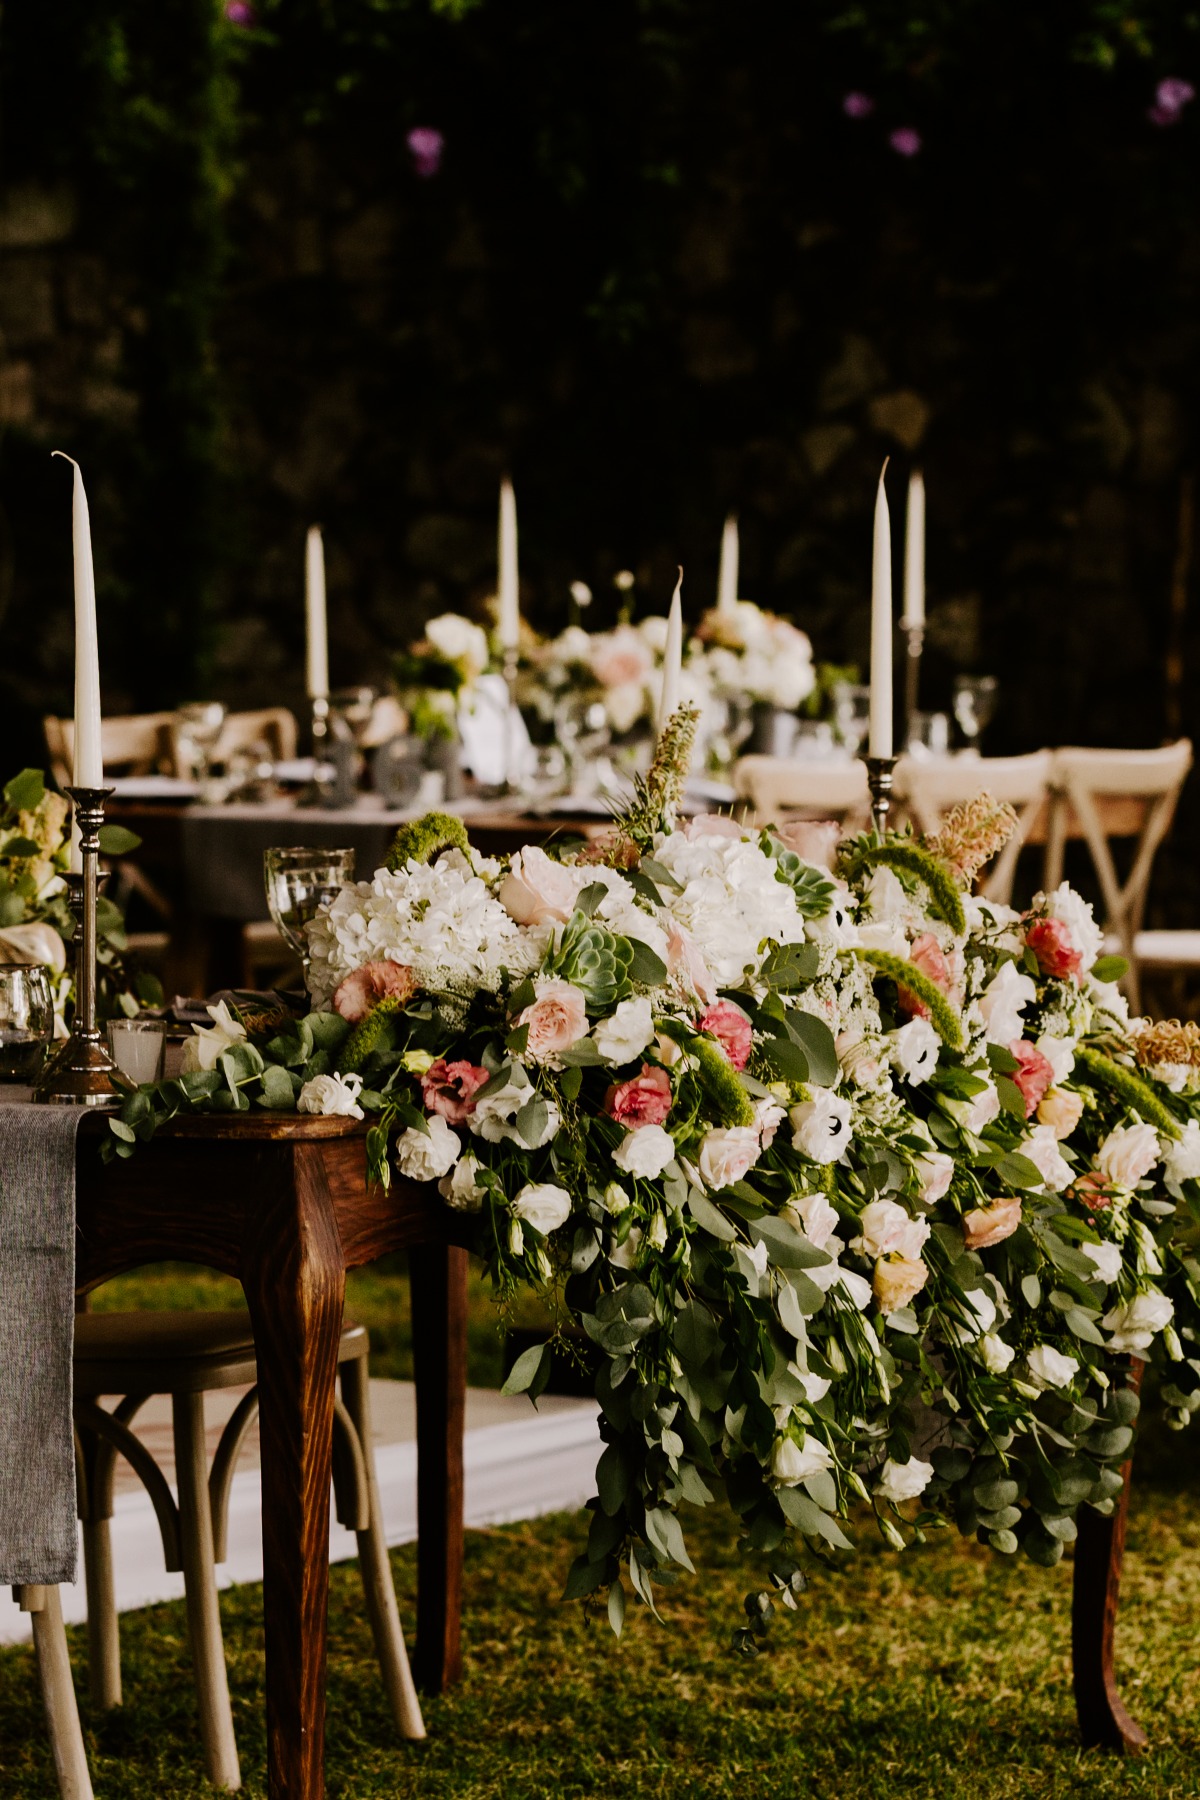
(812, 887)
(596, 961)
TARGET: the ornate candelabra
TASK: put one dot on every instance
(881, 774)
(81, 1072)
(914, 639)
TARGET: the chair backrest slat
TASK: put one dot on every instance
(929, 789)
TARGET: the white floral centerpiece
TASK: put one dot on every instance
(862, 1189)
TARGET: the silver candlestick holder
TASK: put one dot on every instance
(81, 1072)
(881, 776)
(914, 639)
(512, 658)
(320, 724)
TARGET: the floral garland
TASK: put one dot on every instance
(862, 1188)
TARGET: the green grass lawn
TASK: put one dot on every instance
(943, 1673)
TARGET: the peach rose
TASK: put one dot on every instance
(449, 1089)
(1033, 1075)
(360, 992)
(537, 891)
(1061, 1109)
(731, 1028)
(987, 1225)
(1051, 943)
(815, 840)
(897, 1280)
(643, 1100)
(556, 1020)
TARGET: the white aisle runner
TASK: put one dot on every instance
(519, 1469)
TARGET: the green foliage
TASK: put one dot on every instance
(1102, 1071)
(910, 858)
(942, 1015)
(812, 887)
(426, 838)
(657, 794)
(367, 1036)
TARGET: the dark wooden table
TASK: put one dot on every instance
(283, 1204)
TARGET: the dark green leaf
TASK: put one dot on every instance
(1109, 968)
(646, 967)
(819, 1048)
(710, 1217)
(115, 840)
(526, 1369)
(25, 790)
(786, 1058)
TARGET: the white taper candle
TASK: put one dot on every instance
(914, 552)
(316, 622)
(672, 656)
(879, 736)
(87, 768)
(727, 575)
(509, 611)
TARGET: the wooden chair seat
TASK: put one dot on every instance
(175, 1352)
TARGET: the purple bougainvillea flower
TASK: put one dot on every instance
(1173, 94)
(425, 147)
(858, 106)
(906, 141)
(238, 13)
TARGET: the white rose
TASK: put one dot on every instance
(980, 1110)
(994, 1353)
(915, 1048)
(1041, 1147)
(1135, 1324)
(966, 1330)
(334, 1095)
(424, 1157)
(543, 1205)
(792, 1462)
(1049, 1367)
(821, 1126)
(1181, 1156)
(459, 640)
(885, 1229)
(626, 1033)
(860, 1059)
(903, 1481)
(1127, 1154)
(1105, 1259)
(726, 1155)
(458, 1189)
(816, 1216)
(1003, 1001)
(935, 1172)
(645, 1152)
(1059, 1052)
(208, 1043)
(493, 1117)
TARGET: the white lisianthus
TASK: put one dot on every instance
(615, 1198)
(543, 1205)
(860, 1057)
(792, 1462)
(830, 1275)
(885, 1229)
(1049, 1367)
(1041, 1147)
(768, 1117)
(821, 1126)
(815, 1386)
(903, 1481)
(915, 1048)
(816, 1216)
(1003, 1001)
(332, 1095)
(1181, 1157)
(493, 1117)
(966, 1330)
(645, 1152)
(424, 1156)
(1128, 1153)
(935, 1172)
(994, 1353)
(1135, 1324)
(459, 1188)
(1059, 1052)
(626, 1033)
(980, 1110)
(1105, 1259)
(625, 1255)
(208, 1043)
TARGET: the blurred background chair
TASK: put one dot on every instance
(58, 1689)
(1122, 794)
(130, 743)
(773, 788)
(929, 788)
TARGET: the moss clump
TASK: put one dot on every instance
(729, 1100)
(426, 838)
(942, 1016)
(367, 1035)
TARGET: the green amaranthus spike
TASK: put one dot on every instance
(1137, 1094)
(426, 838)
(729, 1100)
(927, 868)
(942, 1016)
(366, 1036)
(657, 794)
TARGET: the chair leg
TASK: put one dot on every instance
(379, 1593)
(58, 1691)
(104, 1643)
(200, 1586)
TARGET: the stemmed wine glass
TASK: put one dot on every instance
(974, 705)
(198, 727)
(299, 882)
(851, 710)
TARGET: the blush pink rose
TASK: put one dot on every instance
(644, 1100)
(359, 993)
(987, 1225)
(536, 890)
(712, 825)
(930, 959)
(685, 959)
(622, 659)
(556, 1020)
(1092, 1191)
(1034, 1076)
(731, 1028)
(1051, 943)
(449, 1089)
(814, 840)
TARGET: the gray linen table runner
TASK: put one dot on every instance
(37, 1339)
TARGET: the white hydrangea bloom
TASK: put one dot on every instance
(731, 899)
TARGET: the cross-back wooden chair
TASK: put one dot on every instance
(1081, 782)
(928, 789)
(273, 726)
(774, 787)
(130, 743)
(58, 1690)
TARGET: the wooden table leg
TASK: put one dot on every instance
(439, 1314)
(294, 1279)
(1095, 1594)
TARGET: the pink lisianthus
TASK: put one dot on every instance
(731, 1028)
(644, 1100)
(362, 990)
(1051, 943)
(1034, 1076)
(450, 1088)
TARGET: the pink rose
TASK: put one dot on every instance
(685, 960)
(718, 825)
(815, 840)
(930, 959)
(622, 659)
(1051, 943)
(449, 1088)
(1092, 1191)
(1034, 1076)
(644, 1100)
(725, 1156)
(987, 1225)
(360, 992)
(556, 1020)
(537, 891)
(731, 1028)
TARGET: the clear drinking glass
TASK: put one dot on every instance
(974, 705)
(299, 882)
(198, 727)
(137, 1046)
(851, 713)
(929, 734)
(26, 1020)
